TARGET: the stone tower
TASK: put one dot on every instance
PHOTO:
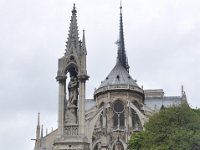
(71, 107)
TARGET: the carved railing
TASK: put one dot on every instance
(71, 130)
(119, 87)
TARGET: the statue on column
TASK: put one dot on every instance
(73, 91)
(71, 111)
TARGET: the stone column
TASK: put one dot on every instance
(104, 118)
(82, 108)
(61, 104)
(81, 104)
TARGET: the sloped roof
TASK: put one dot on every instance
(118, 76)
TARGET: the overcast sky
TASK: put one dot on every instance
(162, 40)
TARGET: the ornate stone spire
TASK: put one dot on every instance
(73, 37)
(121, 58)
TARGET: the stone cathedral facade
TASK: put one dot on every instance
(119, 108)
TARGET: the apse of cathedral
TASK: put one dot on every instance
(119, 108)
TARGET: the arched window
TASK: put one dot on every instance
(118, 117)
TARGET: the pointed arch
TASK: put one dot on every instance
(118, 140)
(95, 144)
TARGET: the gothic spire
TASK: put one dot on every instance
(73, 38)
(121, 58)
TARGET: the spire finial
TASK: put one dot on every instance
(120, 6)
(74, 10)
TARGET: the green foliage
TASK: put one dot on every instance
(174, 128)
(135, 141)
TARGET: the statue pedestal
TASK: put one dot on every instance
(71, 115)
(71, 139)
(71, 126)
(71, 143)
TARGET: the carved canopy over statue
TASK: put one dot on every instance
(73, 91)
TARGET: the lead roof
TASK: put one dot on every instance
(118, 75)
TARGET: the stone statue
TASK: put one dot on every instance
(73, 91)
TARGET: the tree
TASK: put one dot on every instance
(174, 128)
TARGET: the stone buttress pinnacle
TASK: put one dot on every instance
(42, 132)
(38, 123)
(83, 43)
(121, 58)
(38, 127)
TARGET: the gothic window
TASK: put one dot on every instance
(122, 120)
(118, 107)
(115, 119)
(118, 117)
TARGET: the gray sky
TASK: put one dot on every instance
(162, 40)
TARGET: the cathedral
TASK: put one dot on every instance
(119, 108)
